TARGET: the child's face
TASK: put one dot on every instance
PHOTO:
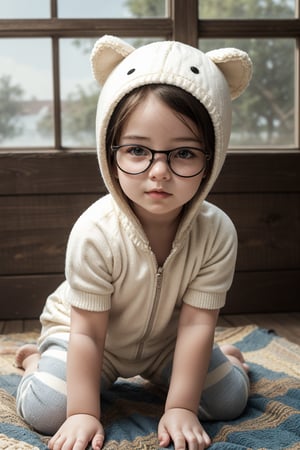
(158, 190)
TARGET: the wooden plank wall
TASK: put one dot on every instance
(43, 193)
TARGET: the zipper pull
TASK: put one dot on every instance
(159, 271)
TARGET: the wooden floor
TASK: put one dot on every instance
(286, 324)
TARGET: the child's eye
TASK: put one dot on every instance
(185, 153)
(137, 150)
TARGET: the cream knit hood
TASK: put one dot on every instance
(214, 78)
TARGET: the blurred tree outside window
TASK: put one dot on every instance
(26, 92)
(265, 114)
(10, 108)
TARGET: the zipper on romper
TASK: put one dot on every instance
(159, 276)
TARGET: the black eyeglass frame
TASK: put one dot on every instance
(168, 153)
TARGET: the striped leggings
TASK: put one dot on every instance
(41, 396)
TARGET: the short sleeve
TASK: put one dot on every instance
(214, 275)
(89, 262)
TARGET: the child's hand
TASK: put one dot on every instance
(183, 428)
(76, 432)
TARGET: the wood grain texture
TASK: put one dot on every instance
(41, 196)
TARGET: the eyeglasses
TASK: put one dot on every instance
(185, 162)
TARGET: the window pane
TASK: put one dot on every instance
(264, 114)
(24, 9)
(79, 93)
(247, 9)
(26, 106)
(111, 9)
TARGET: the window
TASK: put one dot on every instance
(48, 97)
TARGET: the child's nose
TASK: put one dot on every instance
(160, 167)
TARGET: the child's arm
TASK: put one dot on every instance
(85, 353)
(191, 359)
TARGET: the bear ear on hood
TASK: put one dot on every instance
(236, 67)
(107, 53)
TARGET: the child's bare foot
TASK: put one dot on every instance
(235, 356)
(27, 356)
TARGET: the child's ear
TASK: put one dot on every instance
(236, 67)
(107, 53)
